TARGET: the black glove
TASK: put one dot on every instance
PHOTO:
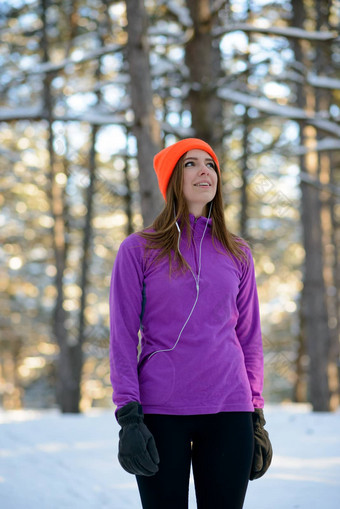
(263, 452)
(137, 449)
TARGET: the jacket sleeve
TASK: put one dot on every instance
(125, 309)
(248, 330)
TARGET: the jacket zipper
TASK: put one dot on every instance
(195, 247)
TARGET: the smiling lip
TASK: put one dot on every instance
(202, 184)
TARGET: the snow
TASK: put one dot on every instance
(323, 81)
(92, 115)
(310, 179)
(326, 144)
(272, 108)
(12, 156)
(181, 11)
(55, 461)
(294, 32)
(76, 58)
(29, 112)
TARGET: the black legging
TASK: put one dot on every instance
(220, 447)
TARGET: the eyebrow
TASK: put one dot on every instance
(196, 158)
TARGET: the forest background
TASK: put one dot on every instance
(90, 90)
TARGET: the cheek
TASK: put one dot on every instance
(215, 180)
(186, 183)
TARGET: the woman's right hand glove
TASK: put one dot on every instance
(137, 452)
(263, 451)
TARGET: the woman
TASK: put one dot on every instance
(193, 395)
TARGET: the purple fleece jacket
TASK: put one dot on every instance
(217, 364)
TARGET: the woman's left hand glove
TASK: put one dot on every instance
(263, 451)
(137, 449)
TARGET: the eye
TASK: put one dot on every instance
(188, 163)
(211, 165)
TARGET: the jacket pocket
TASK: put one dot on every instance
(156, 379)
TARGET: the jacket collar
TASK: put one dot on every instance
(199, 221)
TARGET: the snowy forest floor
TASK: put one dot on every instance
(55, 461)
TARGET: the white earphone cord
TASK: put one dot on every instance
(197, 281)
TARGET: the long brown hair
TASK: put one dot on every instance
(163, 234)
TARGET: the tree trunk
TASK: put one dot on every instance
(313, 304)
(335, 242)
(128, 196)
(300, 385)
(77, 348)
(313, 299)
(146, 128)
(246, 125)
(70, 361)
(64, 385)
(323, 100)
(202, 56)
(85, 262)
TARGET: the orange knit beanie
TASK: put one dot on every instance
(165, 161)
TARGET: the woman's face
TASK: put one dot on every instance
(199, 180)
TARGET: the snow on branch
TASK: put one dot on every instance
(49, 67)
(312, 79)
(180, 132)
(217, 6)
(181, 12)
(323, 82)
(293, 32)
(92, 116)
(9, 154)
(272, 108)
(325, 145)
(27, 113)
(312, 181)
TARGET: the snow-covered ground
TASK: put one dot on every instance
(52, 461)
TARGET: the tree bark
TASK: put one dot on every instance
(85, 262)
(313, 302)
(146, 128)
(335, 242)
(70, 361)
(323, 100)
(128, 196)
(102, 29)
(202, 56)
(246, 125)
(64, 385)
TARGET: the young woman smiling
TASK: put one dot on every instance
(193, 394)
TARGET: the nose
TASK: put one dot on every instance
(204, 169)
